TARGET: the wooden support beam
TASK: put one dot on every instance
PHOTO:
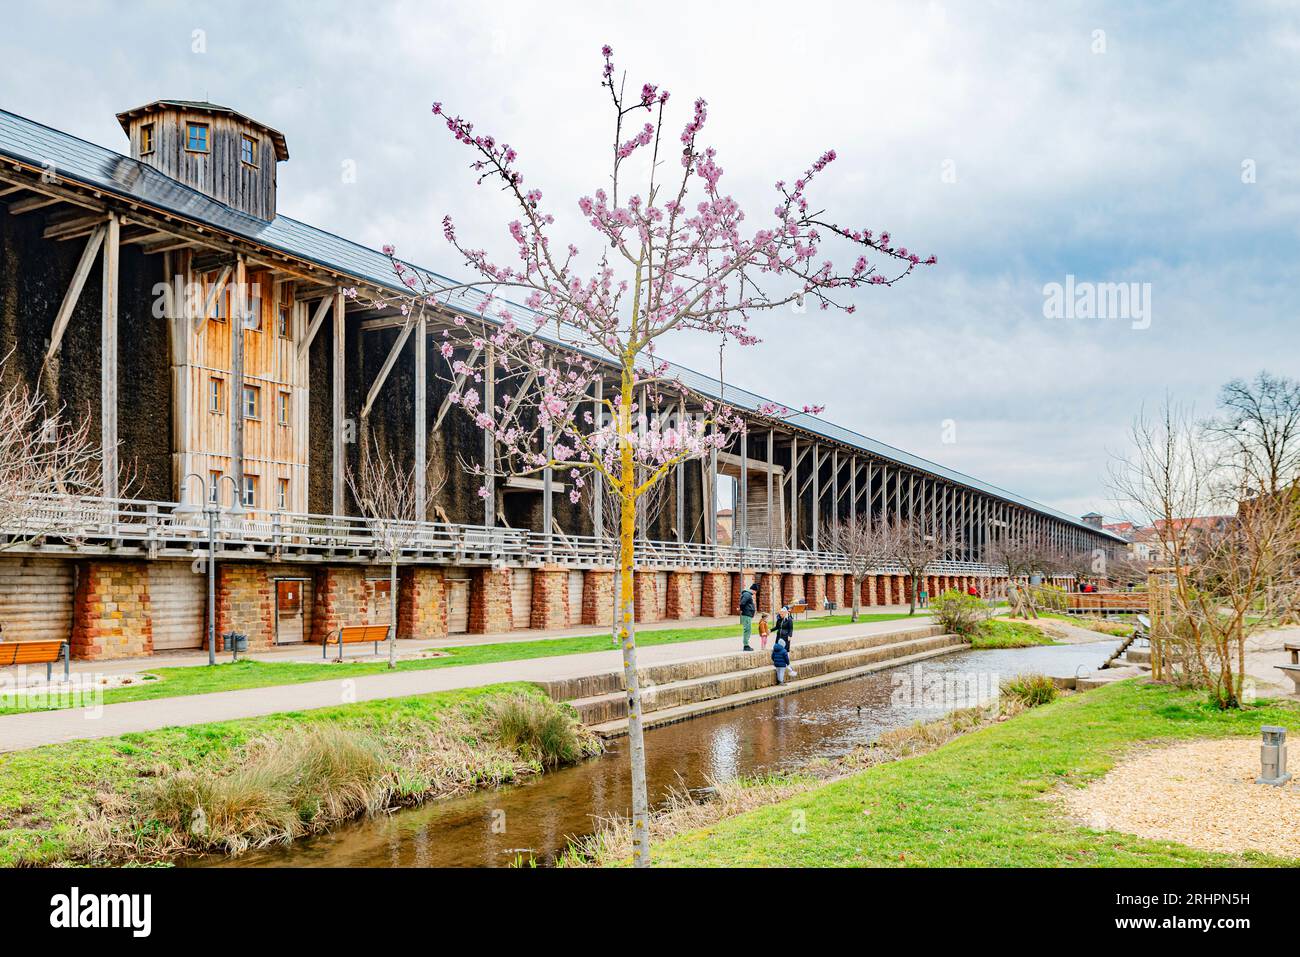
(339, 373)
(108, 358)
(31, 204)
(210, 303)
(421, 424)
(317, 320)
(73, 294)
(75, 227)
(489, 440)
(457, 385)
(387, 367)
(238, 319)
(597, 480)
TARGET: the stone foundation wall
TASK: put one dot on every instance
(111, 617)
(550, 606)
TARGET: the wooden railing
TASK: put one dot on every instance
(165, 530)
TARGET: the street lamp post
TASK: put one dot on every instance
(211, 508)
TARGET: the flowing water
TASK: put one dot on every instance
(536, 819)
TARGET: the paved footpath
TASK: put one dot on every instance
(37, 728)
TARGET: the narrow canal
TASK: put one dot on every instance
(535, 820)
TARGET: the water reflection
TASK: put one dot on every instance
(494, 828)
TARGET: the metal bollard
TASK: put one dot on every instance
(1272, 756)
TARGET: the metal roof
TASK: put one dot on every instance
(76, 159)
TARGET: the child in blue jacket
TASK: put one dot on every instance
(781, 661)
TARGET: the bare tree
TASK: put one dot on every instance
(1023, 556)
(1258, 432)
(866, 545)
(915, 545)
(49, 465)
(386, 495)
(1222, 570)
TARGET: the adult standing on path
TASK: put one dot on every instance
(748, 606)
(783, 630)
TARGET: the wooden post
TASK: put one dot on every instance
(421, 419)
(238, 316)
(548, 505)
(771, 442)
(740, 507)
(339, 375)
(817, 491)
(681, 482)
(598, 480)
(489, 440)
(108, 356)
(794, 492)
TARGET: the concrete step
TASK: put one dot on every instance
(1138, 656)
(683, 712)
(588, 686)
(754, 672)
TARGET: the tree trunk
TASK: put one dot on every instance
(857, 596)
(392, 611)
(627, 633)
(911, 597)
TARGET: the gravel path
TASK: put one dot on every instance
(1202, 794)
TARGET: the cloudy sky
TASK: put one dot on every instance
(1019, 143)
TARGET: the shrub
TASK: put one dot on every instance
(286, 787)
(958, 613)
(1030, 689)
(1049, 596)
(537, 729)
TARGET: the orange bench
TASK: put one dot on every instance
(354, 634)
(44, 652)
(799, 608)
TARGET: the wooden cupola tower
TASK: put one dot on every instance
(212, 148)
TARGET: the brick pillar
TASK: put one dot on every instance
(888, 596)
(679, 594)
(246, 604)
(549, 607)
(791, 589)
(769, 591)
(421, 602)
(339, 597)
(907, 588)
(867, 590)
(814, 590)
(835, 589)
(489, 601)
(716, 597)
(111, 616)
(597, 595)
(646, 592)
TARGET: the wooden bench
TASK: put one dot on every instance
(1295, 652)
(355, 634)
(44, 652)
(799, 607)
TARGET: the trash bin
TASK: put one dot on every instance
(236, 641)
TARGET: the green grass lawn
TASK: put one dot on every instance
(47, 793)
(981, 800)
(231, 676)
(999, 633)
(1118, 629)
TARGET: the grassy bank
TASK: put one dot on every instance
(232, 676)
(984, 799)
(1000, 633)
(228, 786)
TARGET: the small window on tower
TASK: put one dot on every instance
(146, 138)
(216, 395)
(196, 137)
(250, 491)
(282, 494)
(283, 326)
(282, 408)
(214, 487)
(252, 397)
(248, 150)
